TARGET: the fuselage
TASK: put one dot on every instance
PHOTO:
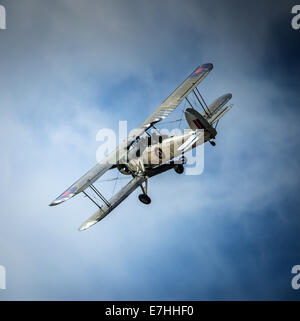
(158, 153)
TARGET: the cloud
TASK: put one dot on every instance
(70, 68)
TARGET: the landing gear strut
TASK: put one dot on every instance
(144, 198)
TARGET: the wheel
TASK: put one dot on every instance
(179, 169)
(212, 143)
(144, 198)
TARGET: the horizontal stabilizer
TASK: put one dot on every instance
(214, 107)
(220, 114)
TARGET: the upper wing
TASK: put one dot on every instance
(178, 95)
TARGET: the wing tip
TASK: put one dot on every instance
(211, 65)
(69, 193)
(202, 70)
(60, 200)
(54, 203)
(87, 225)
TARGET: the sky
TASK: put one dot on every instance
(71, 68)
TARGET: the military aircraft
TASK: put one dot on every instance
(143, 155)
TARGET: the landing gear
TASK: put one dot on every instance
(212, 143)
(144, 198)
(178, 168)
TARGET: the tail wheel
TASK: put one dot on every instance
(179, 169)
(144, 198)
(212, 143)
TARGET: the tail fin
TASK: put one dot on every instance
(197, 121)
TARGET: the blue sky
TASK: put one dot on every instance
(70, 68)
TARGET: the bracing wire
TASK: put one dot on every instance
(182, 111)
(217, 123)
(115, 184)
(113, 179)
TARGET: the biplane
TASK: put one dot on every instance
(143, 155)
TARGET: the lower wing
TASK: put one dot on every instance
(113, 202)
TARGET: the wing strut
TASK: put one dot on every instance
(113, 202)
(100, 195)
(88, 196)
(202, 103)
(217, 123)
(96, 191)
(189, 102)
